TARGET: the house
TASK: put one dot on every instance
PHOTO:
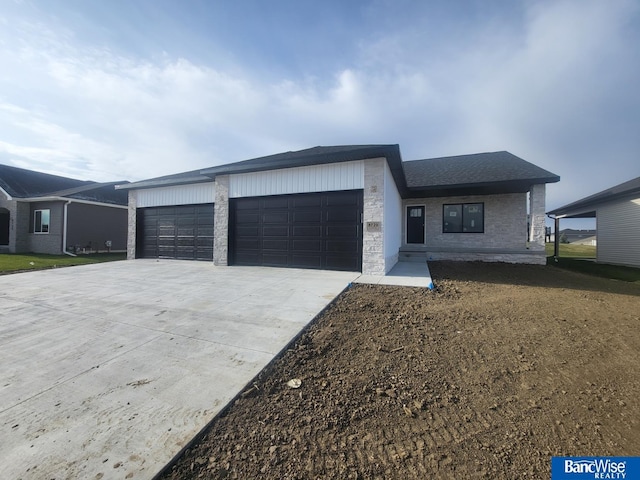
(617, 214)
(44, 213)
(356, 208)
(578, 237)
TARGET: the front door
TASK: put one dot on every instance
(415, 225)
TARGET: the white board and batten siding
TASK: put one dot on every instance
(619, 233)
(316, 178)
(176, 195)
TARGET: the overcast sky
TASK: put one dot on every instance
(133, 89)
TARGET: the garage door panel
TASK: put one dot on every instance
(248, 244)
(315, 230)
(341, 246)
(275, 231)
(250, 217)
(275, 202)
(275, 217)
(342, 231)
(306, 201)
(345, 215)
(306, 261)
(310, 245)
(182, 232)
(271, 259)
(306, 231)
(307, 216)
(342, 199)
(342, 263)
(281, 244)
(248, 231)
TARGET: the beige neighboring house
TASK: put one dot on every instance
(351, 207)
(617, 214)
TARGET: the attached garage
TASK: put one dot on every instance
(182, 232)
(307, 230)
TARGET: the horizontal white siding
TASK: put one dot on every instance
(176, 195)
(317, 178)
(619, 233)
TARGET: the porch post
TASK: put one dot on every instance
(536, 210)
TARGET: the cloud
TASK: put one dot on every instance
(554, 82)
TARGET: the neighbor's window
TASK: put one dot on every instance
(463, 218)
(41, 221)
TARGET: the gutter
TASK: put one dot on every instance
(64, 230)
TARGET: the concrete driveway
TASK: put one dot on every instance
(107, 371)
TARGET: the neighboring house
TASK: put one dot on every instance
(579, 237)
(617, 214)
(590, 241)
(357, 208)
(44, 213)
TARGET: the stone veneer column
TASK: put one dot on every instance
(131, 225)
(221, 221)
(537, 217)
(372, 234)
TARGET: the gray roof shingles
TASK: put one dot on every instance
(23, 183)
(631, 187)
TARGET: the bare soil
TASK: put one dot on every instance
(488, 376)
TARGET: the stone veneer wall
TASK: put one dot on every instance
(505, 229)
(537, 219)
(505, 222)
(131, 225)
(221, 221)
(373, 260)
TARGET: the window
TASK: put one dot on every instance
(463, 218)
(41, 221)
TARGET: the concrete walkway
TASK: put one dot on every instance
(408, 274)
(107, 371)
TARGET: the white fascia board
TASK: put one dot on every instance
(71, 200)
(2, 190)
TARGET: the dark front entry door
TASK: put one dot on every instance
(415, 224)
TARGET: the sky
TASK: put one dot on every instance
(110, 90)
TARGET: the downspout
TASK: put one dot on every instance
(64, 230)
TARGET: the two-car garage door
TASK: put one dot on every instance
(310, 230)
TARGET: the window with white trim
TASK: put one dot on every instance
(41, 221)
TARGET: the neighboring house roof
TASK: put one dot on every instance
(586, 206)
(21, 183)
(483, 173)
(486, 173)
(301, 158)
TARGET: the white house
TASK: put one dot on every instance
(617, 214)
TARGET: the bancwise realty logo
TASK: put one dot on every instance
(577, 468)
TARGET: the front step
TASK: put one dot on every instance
(417, 257)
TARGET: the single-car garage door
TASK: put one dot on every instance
(309, 230)
(183, 232)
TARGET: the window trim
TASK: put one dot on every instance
(462, 205)
(37, 229)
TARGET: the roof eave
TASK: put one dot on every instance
(485, 188)
(162, 183)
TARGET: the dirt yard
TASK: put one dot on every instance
(487, 376)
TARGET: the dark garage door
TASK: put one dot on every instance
(310, 230)
(183, 232)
